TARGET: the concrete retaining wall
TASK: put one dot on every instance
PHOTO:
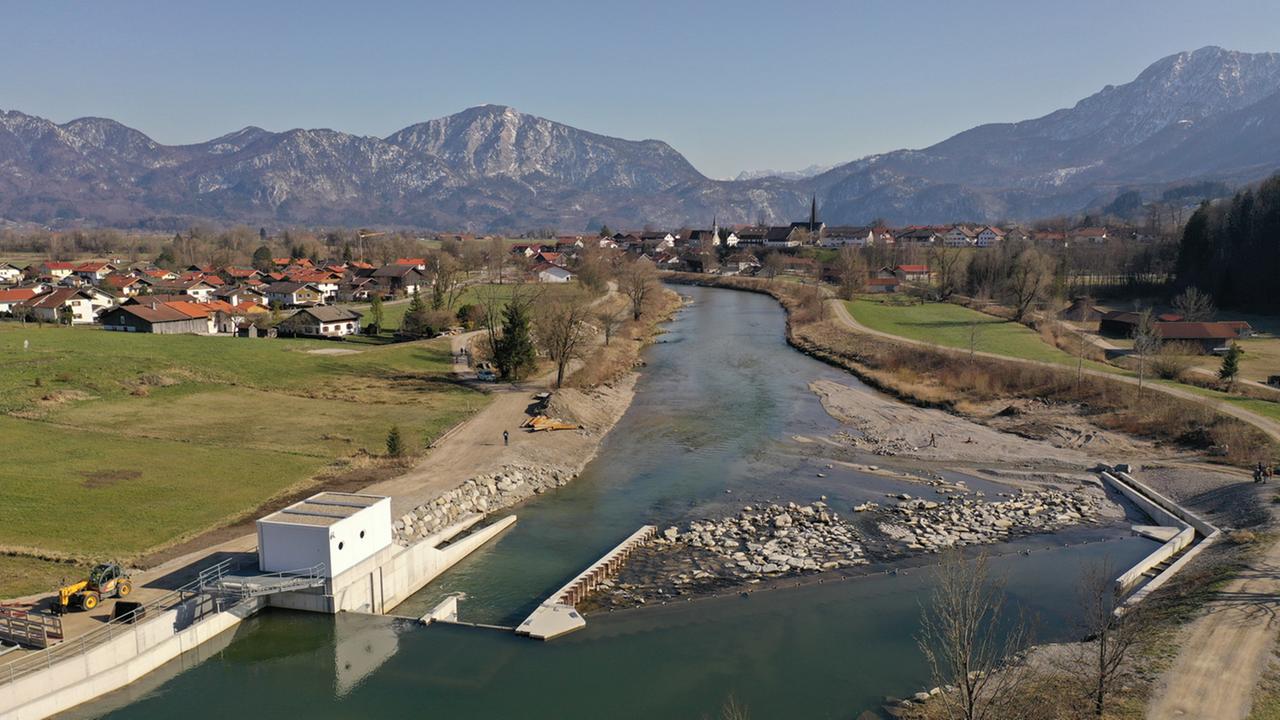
(1174, 546)
(139, 649)
(387, 579)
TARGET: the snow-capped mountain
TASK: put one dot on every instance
(1207, 114)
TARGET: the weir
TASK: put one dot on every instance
(371, 579)
(557, 615)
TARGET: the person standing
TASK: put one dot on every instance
(506, 438)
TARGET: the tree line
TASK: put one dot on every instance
(1231, 249)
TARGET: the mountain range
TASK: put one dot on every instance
(1208, 114)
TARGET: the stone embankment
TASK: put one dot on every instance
(483, 494)
(922, 525)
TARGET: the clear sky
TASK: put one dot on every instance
(732, 84)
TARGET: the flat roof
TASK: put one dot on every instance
(324, 508)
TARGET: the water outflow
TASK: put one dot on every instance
(711, 429)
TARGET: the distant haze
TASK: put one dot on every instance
(733, 86)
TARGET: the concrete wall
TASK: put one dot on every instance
(139, 649)
(291, 546)
(380, 583)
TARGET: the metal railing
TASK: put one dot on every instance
(207, 602)
(257, 585)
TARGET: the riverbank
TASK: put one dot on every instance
(979, 386)
(478, 470)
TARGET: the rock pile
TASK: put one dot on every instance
(772, 540)
(962, 520)
(482, 494)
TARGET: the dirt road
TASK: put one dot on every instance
(1224, 652)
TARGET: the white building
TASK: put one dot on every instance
(960, 236)
(10, 274)
(333, 529)
(839, 236)
(990, 236)
(554, 274)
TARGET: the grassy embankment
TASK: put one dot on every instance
(950, 325)
(119, 444)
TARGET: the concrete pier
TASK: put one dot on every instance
(557, 615)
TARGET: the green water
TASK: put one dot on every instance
(715, 411)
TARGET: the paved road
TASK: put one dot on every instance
(1224, 651)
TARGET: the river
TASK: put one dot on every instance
(714, 426)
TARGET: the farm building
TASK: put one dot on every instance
(158, 318)
(322, 321)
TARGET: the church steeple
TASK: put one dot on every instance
(813, 213)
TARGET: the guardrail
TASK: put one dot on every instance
(206, 603)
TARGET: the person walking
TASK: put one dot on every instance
(506, 438)
(1257, 473)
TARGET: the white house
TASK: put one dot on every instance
(10, 274)
(842, 236)
(960, 236)
(79, 305)
(990, 236)
(331, 529)
(553, 274)
(323, 321)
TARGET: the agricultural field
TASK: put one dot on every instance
(393, 311)
(118, 444)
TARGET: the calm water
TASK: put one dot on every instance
(711, 429)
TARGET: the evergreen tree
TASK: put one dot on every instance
(375, 314)
(262, 259)
(515, 351)
(605, 231)
(395, 443)
(415, 318)
(1230, 366)
(346, 252)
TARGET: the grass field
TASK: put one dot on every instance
(120, 443)
(950, 326)
(393, 311)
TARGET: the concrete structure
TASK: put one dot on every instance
(1178, 531)
(117, 654)
(557, 615)
(336, 530)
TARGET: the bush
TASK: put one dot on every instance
(1172, 361)
(470, 316)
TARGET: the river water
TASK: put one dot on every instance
(714, 426)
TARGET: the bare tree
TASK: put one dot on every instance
(638, 280)
(852, 271)
(610, 321)
(562, 330)
(444, 272)
(970, 644)
(496, 258)
(1146, 342)
(1029, 281)
(948, 267)
(772, 264)
(975, 331)
(1194, 306)
(1112, 633)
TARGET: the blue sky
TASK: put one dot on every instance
(731, 84)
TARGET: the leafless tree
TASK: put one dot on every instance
(975, 331)
(970, 644)
(496, 258)
(772, 265)
(638, 280)
(610, 321)
(852, 271)
(1146, 342)
(948, 267)
(445, 275)
(1029, 281)
(562, 331)
(1112, 633)
(1194, 306)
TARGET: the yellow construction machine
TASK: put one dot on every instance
(105, 579)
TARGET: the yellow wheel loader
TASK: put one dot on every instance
(105, 580)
